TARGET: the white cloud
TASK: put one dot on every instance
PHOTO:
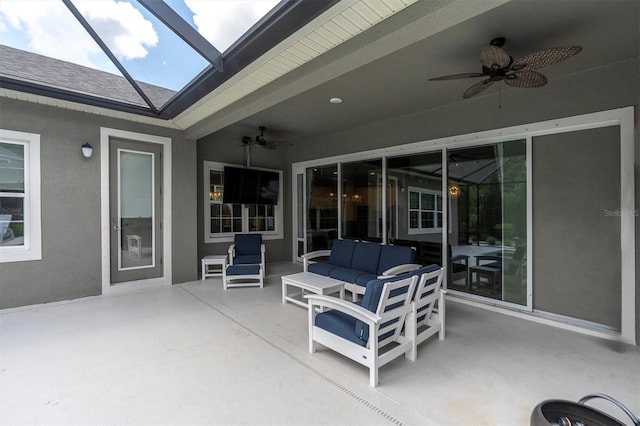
(122, 27)
(222, 22)
(48, 28)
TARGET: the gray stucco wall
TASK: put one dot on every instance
(570, 196)
(70, 194)
(587, 92)
(225, 148)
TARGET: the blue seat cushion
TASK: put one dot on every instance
(365, 278)
(391, 256)
(341, 253)
(365, 257)
(243, 270)
(340, 324)
(248, 244)
(321, 268)
(244, 259)
(346, 274)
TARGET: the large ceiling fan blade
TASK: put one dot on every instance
(493, 57)
(477, 88)
(458, 76)
(526, 79)
(546, 57)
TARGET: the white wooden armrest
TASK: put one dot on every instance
(349, 308)
(312, 255)
(407, 267)
(317, 253)
(232, 249)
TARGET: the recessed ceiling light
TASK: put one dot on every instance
(335, 100)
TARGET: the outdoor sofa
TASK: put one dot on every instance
(358, 262)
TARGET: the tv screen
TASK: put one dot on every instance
(250, 186)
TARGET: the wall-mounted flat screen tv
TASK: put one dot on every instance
(250, 186)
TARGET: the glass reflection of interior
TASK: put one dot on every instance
(12, 194)
(322, 217)
(362, 200)
(488, 196)
(136, 210)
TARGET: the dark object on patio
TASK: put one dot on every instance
(565, 413)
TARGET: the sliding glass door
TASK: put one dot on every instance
(487, 190)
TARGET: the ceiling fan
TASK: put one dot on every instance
(498, 65)
(264, 141)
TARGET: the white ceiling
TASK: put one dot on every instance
(383, 71)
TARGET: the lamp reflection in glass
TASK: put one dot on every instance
(454, 190)
(87, 150)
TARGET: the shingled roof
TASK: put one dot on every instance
(34, 68)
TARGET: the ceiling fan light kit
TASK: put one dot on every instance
(498, 65)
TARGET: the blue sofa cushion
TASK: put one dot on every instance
(244, 259)
(340, 324)
(341, 253)
(248, 244)
(346, 274)
(243, 270)
(321, 268)
(363, 279)
(391, 256)
(365, 257)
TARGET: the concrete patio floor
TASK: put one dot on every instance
(196, 354)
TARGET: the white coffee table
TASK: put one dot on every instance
(310, 282)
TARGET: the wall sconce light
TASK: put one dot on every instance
(87, 150)
(454, 190)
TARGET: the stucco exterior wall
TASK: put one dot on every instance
(70, 195)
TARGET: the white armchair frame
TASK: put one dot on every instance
(368, 355)
(232, 253)
(434, 315)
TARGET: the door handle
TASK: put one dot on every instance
(116, 228)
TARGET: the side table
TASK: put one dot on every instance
(219, 263)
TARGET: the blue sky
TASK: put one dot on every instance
(148, 50)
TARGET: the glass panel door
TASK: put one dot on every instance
(135, 205)
(361, 200)
(322, 214)
(488, 198)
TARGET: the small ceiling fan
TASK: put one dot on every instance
(498, 65)
(264, 141)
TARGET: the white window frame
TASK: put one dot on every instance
(32, 247)
(208, 167)
(420, 229)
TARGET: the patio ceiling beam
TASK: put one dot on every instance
(184, 30)
(76, 13)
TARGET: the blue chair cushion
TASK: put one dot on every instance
(365, 257)
(365, 278)
(321, 268)
(340, 324)
(243, 270)
(391, 256)
(244, 259)
(341, 253)
(248, 244)
(346, 274)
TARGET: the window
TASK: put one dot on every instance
(222, 220)
(20, 237)
(425, 211)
